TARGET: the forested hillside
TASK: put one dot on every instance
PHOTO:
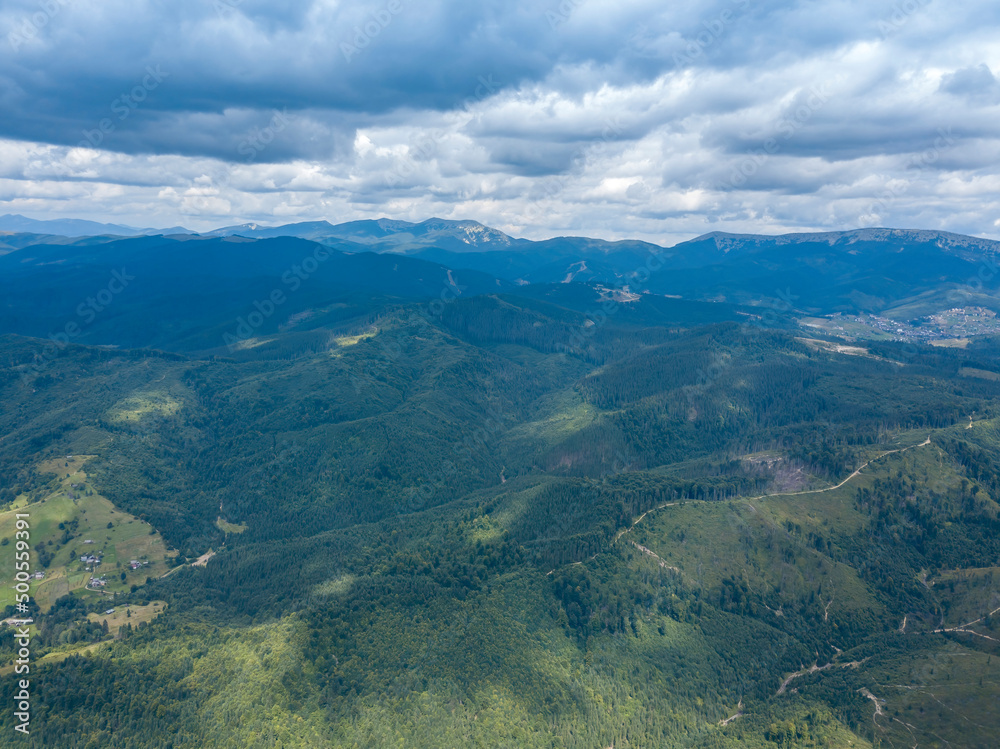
(490, 523)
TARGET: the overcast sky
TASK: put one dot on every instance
(630, 118)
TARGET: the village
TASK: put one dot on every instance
(955, 323)
(92, 561)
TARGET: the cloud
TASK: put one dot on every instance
(976, 84)
(625, 118)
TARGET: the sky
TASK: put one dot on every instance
(624, 119)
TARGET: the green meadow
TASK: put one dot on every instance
(70, 520)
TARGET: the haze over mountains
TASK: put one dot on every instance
(188, 289)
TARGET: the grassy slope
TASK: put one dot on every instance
(127, 539)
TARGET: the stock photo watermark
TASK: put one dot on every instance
(22, 635)
(552, 188)
(226, 8)
(365, 33)
(715, 29)
(124, 106)
(266, 308)
(31, 26)
(786, 129)
(87, 311)
(562, 13)
(258, 139)
(597, 317)
(901, 15)
(426, 145)
(975, 284)
(919, 162)
(254, 143)
(389, 352)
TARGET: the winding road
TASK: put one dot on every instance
(854, 475)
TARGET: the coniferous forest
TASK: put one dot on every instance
(472, 524)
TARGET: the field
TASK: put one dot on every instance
(73, 520)
(982, 374)
(142, 405)
(227, 527)
(129, 614)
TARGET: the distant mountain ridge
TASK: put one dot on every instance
(726, 242)
(434, 235)
(72, 227)
(901, 273)
(185, 293)
(388, 235)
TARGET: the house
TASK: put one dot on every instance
(110, 611)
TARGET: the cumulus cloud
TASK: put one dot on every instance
(616, 119)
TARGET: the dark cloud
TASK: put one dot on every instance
(350, 62)
(632, 117)
(359, 59)
(976, 84)
(528, 159)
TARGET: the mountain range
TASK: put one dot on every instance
(395, 484)
(72, 227)
(189, 288)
